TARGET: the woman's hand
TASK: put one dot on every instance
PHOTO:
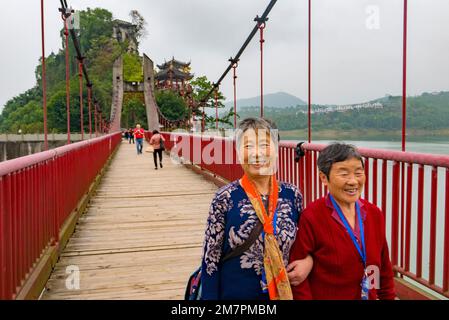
(298, 270)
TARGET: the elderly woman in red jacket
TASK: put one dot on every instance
(344, 234)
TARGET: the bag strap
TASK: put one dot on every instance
(257, 230)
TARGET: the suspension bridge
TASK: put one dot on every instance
(89, 220)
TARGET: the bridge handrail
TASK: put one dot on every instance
(395, 181)
(438, 160)
(9, 166)
(38, 194)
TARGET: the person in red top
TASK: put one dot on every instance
(139, 134)
(344, 234)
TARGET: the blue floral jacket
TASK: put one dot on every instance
(231, 219)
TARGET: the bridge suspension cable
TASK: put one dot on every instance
(234, 77)
(67, 71)
(44, 77)
(216, 109)
(261, 28)
(80, 74)
(66, 14)
(260, 25)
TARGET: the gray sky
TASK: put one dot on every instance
(356, 54)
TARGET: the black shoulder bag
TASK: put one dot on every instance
(193, 289)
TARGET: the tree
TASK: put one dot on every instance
(134, 112)
(132, 68)
(172, 106)
(139, 21)
(201, 87)
(226, 119)
(100, 49)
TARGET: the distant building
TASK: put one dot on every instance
(173, 74)
(345, 108)
(124, 31)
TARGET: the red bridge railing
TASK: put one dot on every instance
(37, 194)
(412, 189)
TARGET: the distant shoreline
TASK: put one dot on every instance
(368, 135)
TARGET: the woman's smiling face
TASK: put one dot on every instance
(258, 152)
(346, 180)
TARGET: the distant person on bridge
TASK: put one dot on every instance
(252, 225)
(139, 133)
(344, 234)
(157, 142)
(131, 135)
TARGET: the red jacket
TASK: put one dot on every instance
(337, 267)
(138, 133)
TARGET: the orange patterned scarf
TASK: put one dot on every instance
(276, 275)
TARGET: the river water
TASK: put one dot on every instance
(435, 147)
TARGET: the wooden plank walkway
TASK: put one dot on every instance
(142, 234)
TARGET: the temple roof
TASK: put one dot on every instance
(175, 63)
(174, 74)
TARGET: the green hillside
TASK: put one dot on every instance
(426, 113)
(25, 111)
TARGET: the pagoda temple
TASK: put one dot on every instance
(174, 75)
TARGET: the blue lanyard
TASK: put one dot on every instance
(362, 251)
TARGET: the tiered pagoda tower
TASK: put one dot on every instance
(174, 75)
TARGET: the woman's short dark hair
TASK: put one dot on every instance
(155, 131)
(337, 152)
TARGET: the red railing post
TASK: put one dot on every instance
(367, 180)
(433, 224)
(395, 213)
(384, 187)
(67, 75)
(315, 176)
(301, 177)
(404, 78)
(80, 75)
(408, 219)
(308, 177)
(6, 235)
(402, 212)
(95, 118)
(309, 77)
(375, 179)
(446, 238)
(89, 102)
(2, 245)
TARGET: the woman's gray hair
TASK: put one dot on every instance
(257, 124)
(337, 152)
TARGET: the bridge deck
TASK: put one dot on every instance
(142, 233)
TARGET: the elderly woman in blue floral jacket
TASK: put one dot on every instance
(256, 200)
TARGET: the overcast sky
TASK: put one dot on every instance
(356, 54)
